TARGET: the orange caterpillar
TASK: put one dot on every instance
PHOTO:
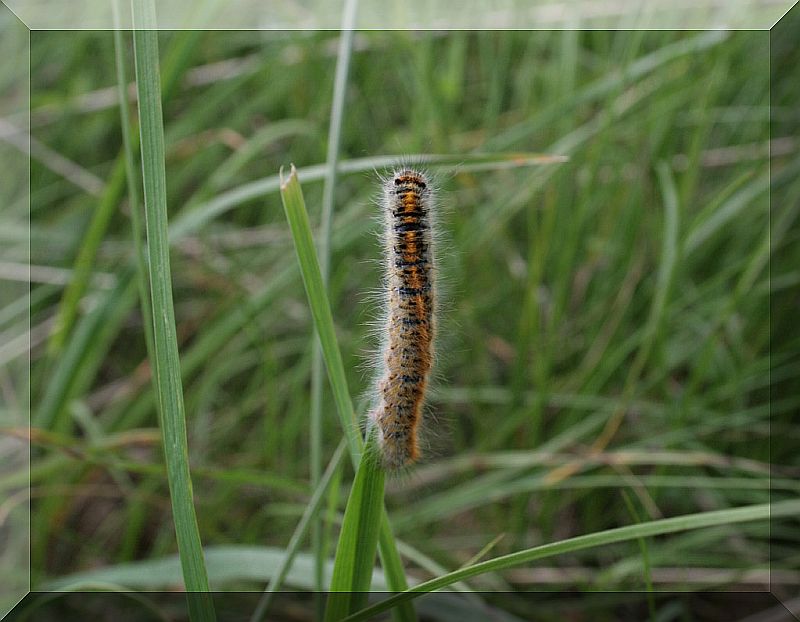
(408, 347)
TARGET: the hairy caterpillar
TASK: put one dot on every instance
(407, 355)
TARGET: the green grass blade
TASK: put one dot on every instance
(91, 334)
(189, 222)
(643, 549)
(609, 84)
(228, 566)
(670, 253)
(329, 187)
(312, 510)
(294, 205)
(84, 262)
(131, 147)
(732, 516)
(358, 541)
(393, 569)
(295, 208)
(101, 218)
(167, 363)
(82, 357)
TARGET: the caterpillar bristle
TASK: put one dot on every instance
(409, 329)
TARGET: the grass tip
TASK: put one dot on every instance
(292, 175)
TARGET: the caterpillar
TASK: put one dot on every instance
(407, 354)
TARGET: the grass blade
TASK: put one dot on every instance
(334, 134)
(101, 218)
(228, 565)
(393, 569)
(131, 147)
(167, 363)
(84, 262)
(295, 208)
(294, 205)
(732, 516)
(92, 333)
(311, 511)
(188, 222)
(358, 541)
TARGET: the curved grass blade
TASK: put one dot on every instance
(731, 516)
(191, 221)
(228, 566)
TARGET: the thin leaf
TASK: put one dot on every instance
(130, 147)
(167, 363)
(328, 191)
(294, 205)
(311, 511)
(192, 221)
(295, 208)
(732, 516)
(358, 540)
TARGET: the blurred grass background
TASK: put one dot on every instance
(619, 341)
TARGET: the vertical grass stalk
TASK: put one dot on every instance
(358, 540)
(131, 148)
(166, 363)
(365, 520)
(312, 510)
(329, 187)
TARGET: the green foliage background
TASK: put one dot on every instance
(619, 339)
